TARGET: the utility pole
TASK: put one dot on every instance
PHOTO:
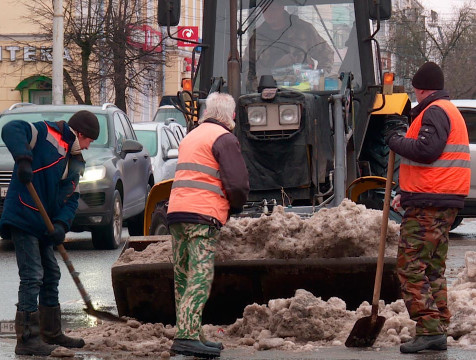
(58, 50)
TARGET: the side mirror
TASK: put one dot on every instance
(168, 12)
(172, 154)
(131, 146)
(380, 9)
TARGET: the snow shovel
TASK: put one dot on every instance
(89, 306)
(366, 329)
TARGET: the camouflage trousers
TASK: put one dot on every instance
(421, 265)
(193, 247)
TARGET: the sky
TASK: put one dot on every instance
(444, 8)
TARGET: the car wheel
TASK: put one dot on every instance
(109, 236)
(457, 222)
(135, 224)
(159, 224)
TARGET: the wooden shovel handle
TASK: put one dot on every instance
(60, 247)
(383, 234)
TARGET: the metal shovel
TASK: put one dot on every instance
(366, 329)
(104, 315)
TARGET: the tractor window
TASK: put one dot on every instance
(304, 47)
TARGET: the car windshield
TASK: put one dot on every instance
(167, 113)
(148, 138)
(304, 45)
(56, 116)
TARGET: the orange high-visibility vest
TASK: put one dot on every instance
(450, 173)
(197, 187)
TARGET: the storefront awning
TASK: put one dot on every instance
(43, 82)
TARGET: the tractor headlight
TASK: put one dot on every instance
(93, 173)
(288, 114)
(257, 115)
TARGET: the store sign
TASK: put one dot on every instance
(145, 37)
(30, 53)
(189, 33)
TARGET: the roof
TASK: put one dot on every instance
(29, 108)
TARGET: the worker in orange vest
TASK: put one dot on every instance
(434, 180)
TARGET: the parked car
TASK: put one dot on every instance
(162, 143)
(167, 112)
(117, 178)
(468, 110)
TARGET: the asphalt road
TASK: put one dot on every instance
(94, 267)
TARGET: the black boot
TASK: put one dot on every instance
(205, 342)
(29, 342)
(50, 328)
(194, 348)
(421, 342)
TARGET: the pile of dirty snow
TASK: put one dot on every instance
(348, 230)
(301, 323)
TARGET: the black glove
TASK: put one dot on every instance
(395, 125)
(24, 171)
(57, 236)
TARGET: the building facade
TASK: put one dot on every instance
(26, 69)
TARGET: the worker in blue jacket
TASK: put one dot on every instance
(47, 154)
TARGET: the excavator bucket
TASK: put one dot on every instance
(146, 291)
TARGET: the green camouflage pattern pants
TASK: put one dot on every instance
(193, 247)
(421, 265)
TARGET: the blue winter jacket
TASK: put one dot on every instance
(55, 176)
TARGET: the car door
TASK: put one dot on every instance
(469, 115)
(168, 142)
(137, 167)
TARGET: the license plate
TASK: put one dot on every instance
(7, 327)
(3, 191)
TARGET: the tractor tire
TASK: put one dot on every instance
(159, 224)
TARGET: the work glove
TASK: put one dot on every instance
(395, 125)
(24, 171)
(57, 236)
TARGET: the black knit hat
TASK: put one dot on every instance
(429, 77)
(86, 123)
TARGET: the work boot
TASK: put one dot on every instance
(194, 348)
(50, 328)
(424, 342)
(29, 342)
(205, 342)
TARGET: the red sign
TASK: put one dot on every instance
(145, 37)
(189, 33)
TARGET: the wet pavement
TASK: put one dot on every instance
(462, 239)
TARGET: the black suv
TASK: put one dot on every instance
(118, 175)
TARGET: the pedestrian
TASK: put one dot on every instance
(434, 180)
(47, 154)
(211, 182)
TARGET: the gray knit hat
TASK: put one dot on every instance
(86, 123)
(429, 77)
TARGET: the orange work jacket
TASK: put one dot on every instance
(450, 173)
(197, 187)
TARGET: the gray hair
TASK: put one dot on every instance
(221, 107)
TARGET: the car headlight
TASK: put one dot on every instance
(288, 114)
(257, 115)
(93, 173)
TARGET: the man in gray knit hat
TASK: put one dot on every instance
(47, 154)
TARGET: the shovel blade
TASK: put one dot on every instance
(104, 315)
(365, 331)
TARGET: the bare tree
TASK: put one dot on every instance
(417, 37)
(99, 35)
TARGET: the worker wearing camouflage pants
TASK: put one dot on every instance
(193, 248)
(422, 251)
(210, 184)
(434, 179)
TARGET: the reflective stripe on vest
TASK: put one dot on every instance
(197, 187)
(450, 173)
